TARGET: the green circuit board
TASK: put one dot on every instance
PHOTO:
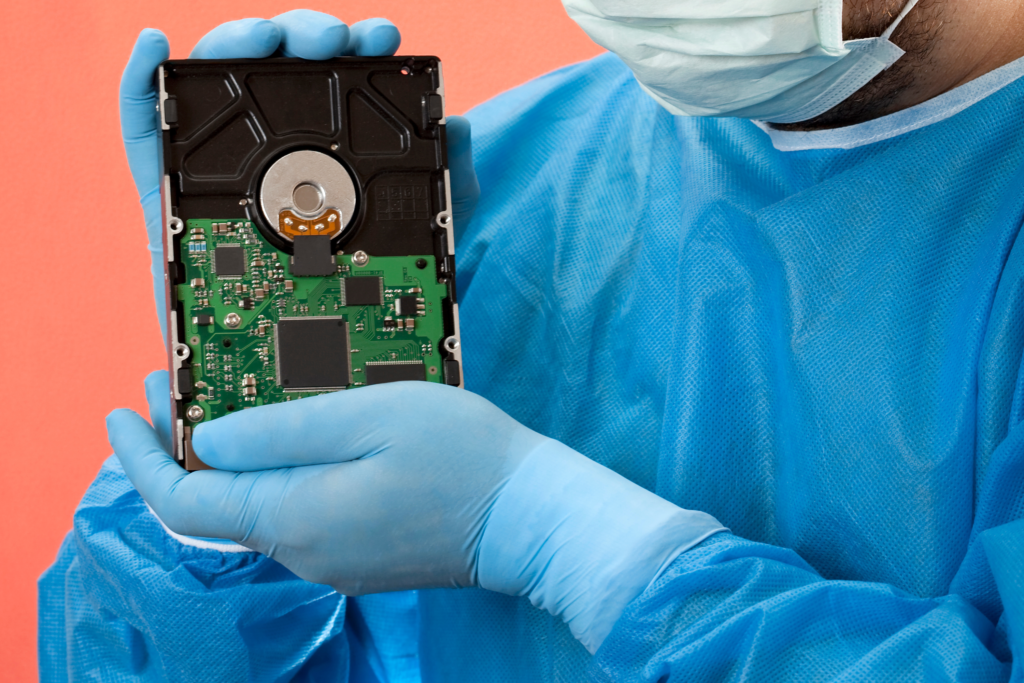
(249, 332)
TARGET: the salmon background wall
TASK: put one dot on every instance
(78, 331)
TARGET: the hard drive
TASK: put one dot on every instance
(308, 231)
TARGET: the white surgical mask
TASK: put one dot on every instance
(781, 61)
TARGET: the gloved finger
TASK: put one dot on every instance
(465, 186)
(158, 395)
(217, 505)
(154, 231)
(207, 503)
(138, 85)
(151, 470)
(332, 428)
(373, 38)
(244, 38)
(140, 127)
(311, 35)
(240, 506)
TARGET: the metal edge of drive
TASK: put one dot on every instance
(440, 91)
(172, 326)
(176, 360)
(165, 202)
(162, 99)
(457, 353)
(181, 441)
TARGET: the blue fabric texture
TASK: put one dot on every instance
(822, 349)
(127, 602)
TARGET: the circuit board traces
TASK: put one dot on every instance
(258, 334)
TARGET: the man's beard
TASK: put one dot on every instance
(917, 36)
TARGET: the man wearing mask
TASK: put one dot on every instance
(743, 307)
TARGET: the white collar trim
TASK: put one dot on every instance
(934, 110)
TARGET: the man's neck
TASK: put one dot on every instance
(973, 39)
(948, 43)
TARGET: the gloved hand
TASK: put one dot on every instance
(300, 33)
(415, 485)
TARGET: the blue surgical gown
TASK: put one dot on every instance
(820, 347)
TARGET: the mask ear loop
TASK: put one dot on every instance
(872, 55)
(899, 20)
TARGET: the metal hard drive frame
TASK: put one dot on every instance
(226, 123)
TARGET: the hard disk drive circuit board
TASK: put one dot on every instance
(308, 232)
(264, 335)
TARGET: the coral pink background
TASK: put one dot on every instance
(78, 330)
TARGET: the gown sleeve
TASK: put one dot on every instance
(734, 610)
(126, 600)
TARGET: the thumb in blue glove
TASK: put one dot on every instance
(417, 485)
(299, 33)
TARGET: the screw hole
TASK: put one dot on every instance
(227, 343)
(229, 407)
(421, 263)
(406, 71)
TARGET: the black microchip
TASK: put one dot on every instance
(247, 304)
(394, 372)
(313, 256)
(363, 291)
(312, 353)
(229, 261)
(204, 320)
(406, 305)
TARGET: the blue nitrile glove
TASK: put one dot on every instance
(416, 485)
(300, 33)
